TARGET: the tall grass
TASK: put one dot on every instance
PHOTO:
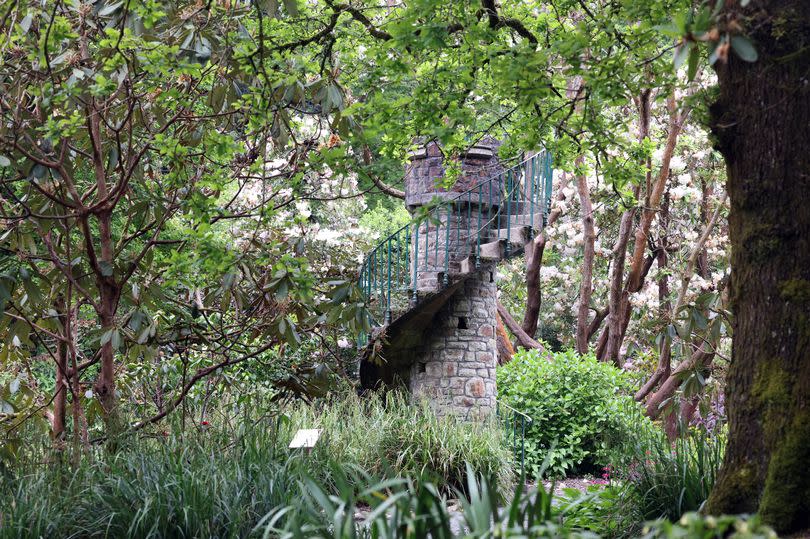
(389, 437)
(155, 488)
(219, 479)
(673, 478)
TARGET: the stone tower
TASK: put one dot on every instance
(430, 286)
(451, 361)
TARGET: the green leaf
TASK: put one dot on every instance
(694, 61)
(110, 9)
(25, 24)
(744, 48)
(115, 339)
(681, 53)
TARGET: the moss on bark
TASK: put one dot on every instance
(786, 498)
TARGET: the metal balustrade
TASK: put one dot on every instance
(454, 235)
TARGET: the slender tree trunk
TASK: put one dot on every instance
(671, 380)
(505, 349)
(60, 389)
(523, 339)
(635, 277)
(605, 345)
(534, 260)
(589, 239)
(761, 121)
(706, 192)
(104, 386)
(664, 367)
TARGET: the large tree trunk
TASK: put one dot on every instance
(762, 123)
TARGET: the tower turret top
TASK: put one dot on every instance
(425, 170)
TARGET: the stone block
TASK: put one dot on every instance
(433, 369)
(475, 387)
(463, 401)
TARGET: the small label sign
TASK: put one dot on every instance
(305, 438)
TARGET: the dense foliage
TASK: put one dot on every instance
(188, 188)
(578, 409)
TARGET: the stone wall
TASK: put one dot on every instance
(456, 368)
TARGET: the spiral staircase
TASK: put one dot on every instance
(410, 274)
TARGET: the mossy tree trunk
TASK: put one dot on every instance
(762, 123)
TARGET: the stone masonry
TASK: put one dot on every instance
(454, 365)
(456, 368)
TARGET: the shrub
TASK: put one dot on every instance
(389, 437)
(577, 406)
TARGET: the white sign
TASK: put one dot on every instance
(306, 438)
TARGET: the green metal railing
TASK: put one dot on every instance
(514, 423)
(420, 256)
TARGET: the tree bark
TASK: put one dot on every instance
(523, 338)
(534, 259)
(761, 121)
(505, 349)
(589, 239)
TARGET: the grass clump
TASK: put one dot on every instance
(670, 478)
(388, 436)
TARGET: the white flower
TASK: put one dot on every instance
(302, 208)
(343, 343)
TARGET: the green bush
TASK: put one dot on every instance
(390, 437)
(578, 406)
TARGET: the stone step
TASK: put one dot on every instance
(493, 250)
(525, 219)
(518, 235)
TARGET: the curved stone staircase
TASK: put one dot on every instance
(453, 242)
